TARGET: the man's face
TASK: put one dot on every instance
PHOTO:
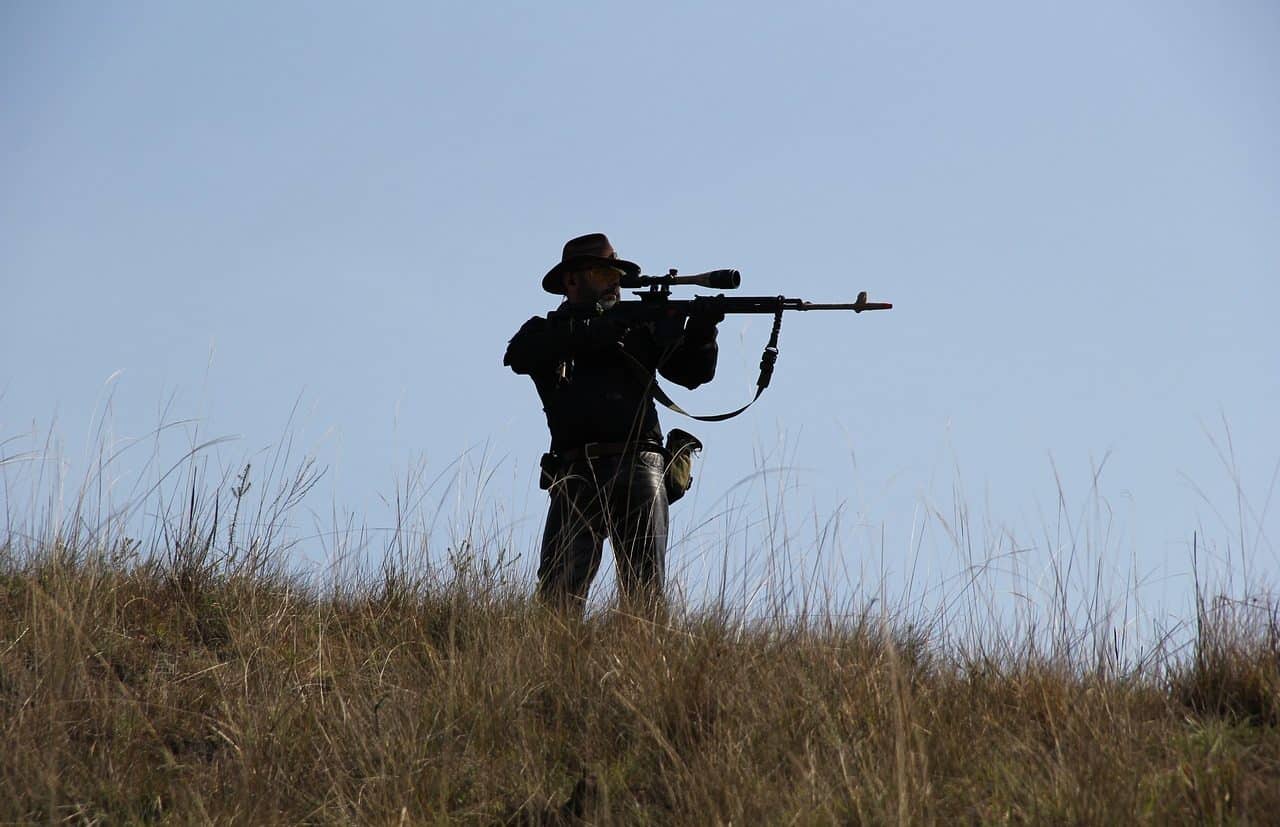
(597, 284)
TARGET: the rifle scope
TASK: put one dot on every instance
(718, 279)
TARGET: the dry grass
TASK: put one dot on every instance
(197, 680)
(167, 690)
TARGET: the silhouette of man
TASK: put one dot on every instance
(605, 469)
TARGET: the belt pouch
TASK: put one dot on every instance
(681, 446)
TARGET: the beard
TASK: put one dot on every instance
(606, 298)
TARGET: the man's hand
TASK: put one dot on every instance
(704, 316)
(702, 322)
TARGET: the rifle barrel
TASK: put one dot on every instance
(769, 304)
(856, 307)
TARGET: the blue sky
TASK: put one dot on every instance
(241, 207)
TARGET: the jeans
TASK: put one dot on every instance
(623, 498)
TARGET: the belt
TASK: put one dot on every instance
(595, 450)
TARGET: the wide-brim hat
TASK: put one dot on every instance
(591, 250)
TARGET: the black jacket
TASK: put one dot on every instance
(589, 390)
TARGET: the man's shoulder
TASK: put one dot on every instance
(532, 324)
(542, 322)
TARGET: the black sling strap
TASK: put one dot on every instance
(767, 360)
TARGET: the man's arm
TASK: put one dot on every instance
(541, 344)
(533, 349)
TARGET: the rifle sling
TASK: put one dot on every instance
(767, 360)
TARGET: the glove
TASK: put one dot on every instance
(702, 322)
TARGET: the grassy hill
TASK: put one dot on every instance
(179, 687)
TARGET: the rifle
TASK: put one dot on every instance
(656, 304)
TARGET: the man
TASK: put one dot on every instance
(606, 465)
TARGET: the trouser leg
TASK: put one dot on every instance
(571, 544)
(638, 528)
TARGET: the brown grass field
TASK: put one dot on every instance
(151, 694)
(197, 682)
